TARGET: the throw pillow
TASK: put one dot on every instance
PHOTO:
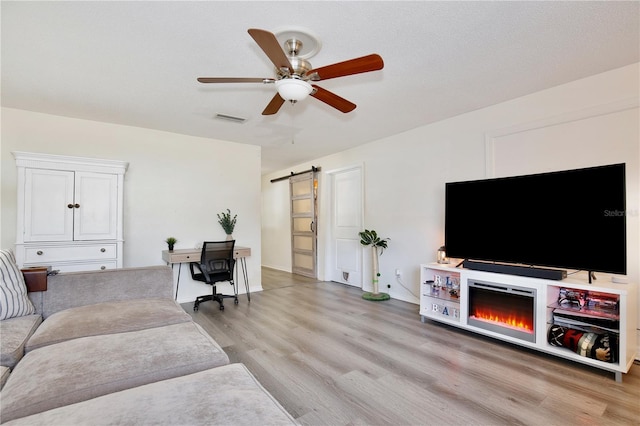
(14, 301)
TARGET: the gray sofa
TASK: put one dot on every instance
(113, 347)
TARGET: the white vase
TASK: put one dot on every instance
(229, 237)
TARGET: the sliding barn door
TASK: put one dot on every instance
(303, 192)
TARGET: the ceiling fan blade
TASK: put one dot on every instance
(367, 63)
(274, 105)
(234, 80)
(332, 99)
(270, 45)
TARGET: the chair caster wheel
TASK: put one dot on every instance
(221, 308)
(195, 308)
(235, 301)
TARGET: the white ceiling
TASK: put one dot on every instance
(136, 63)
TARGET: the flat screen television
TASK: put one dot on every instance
(572, 219)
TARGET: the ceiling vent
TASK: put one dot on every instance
(230, 118)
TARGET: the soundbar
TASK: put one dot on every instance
(520, 270)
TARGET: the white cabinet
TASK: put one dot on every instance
(524, 311)
(70, 212)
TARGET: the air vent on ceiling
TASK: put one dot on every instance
(230, 118)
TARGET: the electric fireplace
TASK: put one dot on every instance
(503, 309)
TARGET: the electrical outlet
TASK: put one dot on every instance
(398, 273)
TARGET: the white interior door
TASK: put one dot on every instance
(347, 218)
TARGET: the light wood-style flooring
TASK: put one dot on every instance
(331, 358)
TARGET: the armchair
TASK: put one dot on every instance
(216, 265)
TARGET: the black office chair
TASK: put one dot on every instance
(216, 265)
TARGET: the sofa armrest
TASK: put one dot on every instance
(73, 289)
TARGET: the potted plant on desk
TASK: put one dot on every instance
(228, 223)
(171, 242)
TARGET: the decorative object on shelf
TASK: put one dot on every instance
(442, 255)
(370, 238)
(228, 223)
(171, 242)
(588, 344)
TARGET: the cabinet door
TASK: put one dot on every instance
(96, 211)
(47, 216)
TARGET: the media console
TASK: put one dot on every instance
(594, 324)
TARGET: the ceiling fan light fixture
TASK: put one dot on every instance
(293, 89)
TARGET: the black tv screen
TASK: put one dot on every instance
(573, 219)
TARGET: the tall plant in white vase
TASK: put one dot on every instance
(371, 238)
(227, 222)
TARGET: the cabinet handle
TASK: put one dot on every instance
(76, 205)
(70, 205)
(103, 250)
(103, 267)
(39, 253)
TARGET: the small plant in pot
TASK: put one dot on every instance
(171, 242)
(371, 238)
(227, 222)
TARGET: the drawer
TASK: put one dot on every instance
(46, 254)
(89, 266)
(185, 258)
(241, 252)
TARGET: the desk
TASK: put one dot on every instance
(193, 255)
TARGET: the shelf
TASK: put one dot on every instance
(587, 303)
(440, 309)
(609, 324)
(442, 294)
(585, 312)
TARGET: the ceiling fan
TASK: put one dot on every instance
(293, 73)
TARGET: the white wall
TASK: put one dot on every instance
(174, 186)
(405, 174)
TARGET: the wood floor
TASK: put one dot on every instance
(332, 358)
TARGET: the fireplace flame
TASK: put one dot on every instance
(510, 321)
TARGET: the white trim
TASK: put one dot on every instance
(63, 162)
(604, 109)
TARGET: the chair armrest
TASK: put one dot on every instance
(72, 289)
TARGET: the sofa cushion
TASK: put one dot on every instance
(107, 318)
(84, 368)
(4, 375)
(15, 333)
(72, 289)
(227, 395)
(13, 291)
